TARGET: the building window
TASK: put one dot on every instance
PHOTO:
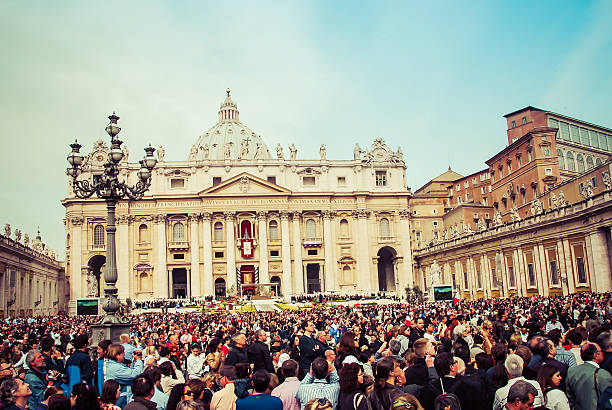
(511, 276)
(509, 167)
(143, 234)
(342, 181)
(574, 133)
(479, 279)
(434, 224)
(564, 131)
(311, 229)
(501, 172)
(531, 272)
(594, 182)
(581, 270)
(589, 162)
(417, 235)
(598, 162)
(554, 274)
(216, 180)
(274, 252)
(98, 235)
(219, 254)
(513, 124)
(592, 136)
(548, 171)
(312, 252)
(218, 231)
(271, 179)
(179, 256)
(434, 211)
(309, 181)
(561, 159)
(458, 187)
(381, 178)
(177, 183)
(384, 228)
(273, 230)
(465, 280)
(546, 151)
(524, 119)
(571, 165)
(344, 228)
(580, 162)
(178, 232)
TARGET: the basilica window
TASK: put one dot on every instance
(561, 159)
(273, 230)
(347, 274)
(178, 232)
(589, 162)
(246, 230)
(384, 228)
(571, 165)
(143, 234)
(218, 231)
(311, 229)
(344, 228)
(98, 237)
(580, 162)
(381, 178)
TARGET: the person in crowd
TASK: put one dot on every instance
(127, 346)
(225, 399)
(99, 364)
(604, 340)
(587, 381)
(418, 331)
(51, 390)
(318, 404)
(237, 353)
(189, 405)
(549, 379)
(209, 383)
(7, 369)
(243, 385)
(321, 339)
(170, 376)
(315, 384)
(547, 350)
(308, 347)
(575, 339)
(514, 369)
(195, 362)
(36, 377)
(84, 397)
(258, 353)
(259, 399)
(521, 396)
(417, 372)
(14, 394)
(351, 396)
(159, 397)
(561, 355)
(80, 362)
(59, 402)
(111, 391)
(178, 393)
(215, 357)
(53, 358)
(553, 323)
(197, 388)
(346, 348)
(116, 369)
(385, 389)
(143, 389)
(287, 389)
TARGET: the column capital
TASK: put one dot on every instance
(262, 215)
(194, 217)
(404, 214)
(124, 219)
(361, 213)
(77, 220)
(327, 214)
(206, 216)
(160, 218)
(285, 215)
(296, 215)
(229, 215)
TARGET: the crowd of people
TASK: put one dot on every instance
(518, 353)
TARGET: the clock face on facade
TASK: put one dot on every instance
(99, 158)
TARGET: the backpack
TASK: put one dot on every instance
(446, 401)
(358, 398)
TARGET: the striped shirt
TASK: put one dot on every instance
(311, 388)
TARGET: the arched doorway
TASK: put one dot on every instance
(276, 289)
(386, 270)
(219, 287)
(179, 283)
(94, 275)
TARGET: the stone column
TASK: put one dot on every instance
(543, 276)
(230, 250)
(599, 271)
(161, 270)
(328, 243)
(298, 268)
(264, 270)
(521, 277)
(364, 282)
(286, 251)
(124, 273)
(406, 277)
(209, 285)
(567, 261)
(195, 280)
(76, 262)
(561, 267)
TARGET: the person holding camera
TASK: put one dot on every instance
(116, 369)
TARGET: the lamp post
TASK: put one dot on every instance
(109, 188)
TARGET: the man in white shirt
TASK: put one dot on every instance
(195, 362)
(514, 370)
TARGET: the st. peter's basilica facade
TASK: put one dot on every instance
(234, 218)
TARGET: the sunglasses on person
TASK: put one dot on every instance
(188, 393)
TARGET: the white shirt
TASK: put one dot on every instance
(501, 395)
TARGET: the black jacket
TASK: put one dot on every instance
(236, 355)
(259, 354)
(140, 403)
(417, 373)
(83, 362)
(307, 353)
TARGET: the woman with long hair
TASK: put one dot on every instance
(347, 347)
(549, 379)
(351, 380)
(111, 390)
(179, 392)
(209, 385)
(385, 390)
(84, 397)
(215, 358)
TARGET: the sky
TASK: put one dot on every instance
(432, 77)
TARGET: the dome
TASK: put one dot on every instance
(229, 138)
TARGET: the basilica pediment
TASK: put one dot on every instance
(245, 184)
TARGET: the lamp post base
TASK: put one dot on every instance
(110, 331)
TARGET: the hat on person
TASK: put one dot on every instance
(351, 359)
(282, 359)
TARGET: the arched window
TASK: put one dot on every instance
(598, 162)
(143, 234)
(218, 231)
(384, 227)
(571, 165)
(246, 230)
(98, 235)
(347, 274)
(273, 230)
(311, 229)
(178, 232)
(580, 162)
(561, 159)
(590, 163)
(344, 228)
(146, 284)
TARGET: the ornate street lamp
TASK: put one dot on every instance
(109, 188)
